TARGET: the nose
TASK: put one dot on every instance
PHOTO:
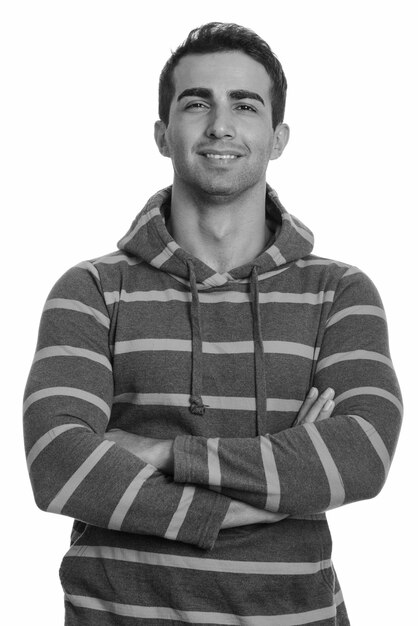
(220, 123)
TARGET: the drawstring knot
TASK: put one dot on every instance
(196, 405)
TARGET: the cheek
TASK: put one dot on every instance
(267, 147)
(179, 144)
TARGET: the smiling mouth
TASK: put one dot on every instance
(221, 157)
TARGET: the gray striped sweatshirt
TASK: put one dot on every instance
(151, 340)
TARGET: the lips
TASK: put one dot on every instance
(224, 155)
(221, 156)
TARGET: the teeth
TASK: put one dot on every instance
(221, 156)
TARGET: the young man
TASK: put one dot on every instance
(180, 405)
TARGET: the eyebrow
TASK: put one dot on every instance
(235, 94)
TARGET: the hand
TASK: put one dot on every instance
(316, 408)
(157, 452)
(241, 514)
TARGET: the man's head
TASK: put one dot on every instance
(221, 37)
(220, 120)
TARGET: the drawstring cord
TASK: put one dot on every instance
(196, 404)
(259, 365)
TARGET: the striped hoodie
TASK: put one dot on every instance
(151, 340)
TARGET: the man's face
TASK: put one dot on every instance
(220, 136)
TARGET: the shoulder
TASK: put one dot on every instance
(334, 270)
(341, 279)
(103, 272)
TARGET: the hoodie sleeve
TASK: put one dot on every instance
(68, 398)
(319, 466)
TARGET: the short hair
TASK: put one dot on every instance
(224, 37)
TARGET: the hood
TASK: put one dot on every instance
(149, 240)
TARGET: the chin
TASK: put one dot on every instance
(223, 189)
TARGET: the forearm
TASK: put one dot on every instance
(303, 470)
(81, 475)
(160, 453)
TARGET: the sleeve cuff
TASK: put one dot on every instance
(190, 466)
(190, 460)
(218, 509)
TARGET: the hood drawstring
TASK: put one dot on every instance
(196, 404)
(149, 241)
(259, 364)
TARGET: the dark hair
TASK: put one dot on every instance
(221, 37)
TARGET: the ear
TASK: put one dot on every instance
(281, 137)
(160, 130)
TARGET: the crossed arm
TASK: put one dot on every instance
(320, 464)
(76, 469)
(160, 453)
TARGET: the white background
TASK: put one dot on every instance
(79, 82)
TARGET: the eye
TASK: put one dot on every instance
(196, 105)
(246, 107)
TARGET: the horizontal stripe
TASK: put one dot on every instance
(336, 486)
(220, 347)
(214, 467)
(180, 513)
(57, 504)
(271, 474)
(125, 503)
(310, 262)
(53, 351)
(111, 297)
(359, 309)
(201, 564)
(46, 439)
(376, 441)
(153, 295)
(231, 297)
(200, 617)
(353, 355)
(152, 345)
(369, 391)
(71, 392)
(214, 402)
(80, 307)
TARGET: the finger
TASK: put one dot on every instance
(323, 409)
(307, 405)
(326, 411)
(319, 406)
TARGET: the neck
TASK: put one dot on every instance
(223, 232)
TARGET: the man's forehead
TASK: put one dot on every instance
(225, 69)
